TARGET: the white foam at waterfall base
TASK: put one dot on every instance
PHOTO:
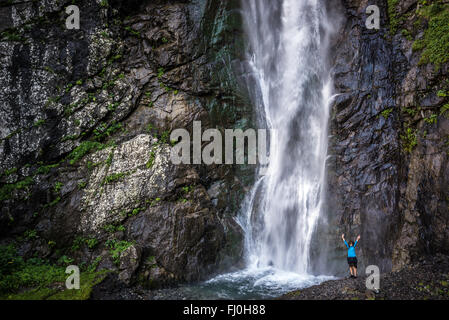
(253, 283)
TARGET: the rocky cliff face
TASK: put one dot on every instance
(85, 122)
(389, 169)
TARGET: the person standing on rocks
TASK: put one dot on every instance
(352, 257)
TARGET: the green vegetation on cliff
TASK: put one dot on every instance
(434, 15)
(7, 189)
(37, 279)
(116, 248)
(435, 43)
(393, 15)
(409, 140)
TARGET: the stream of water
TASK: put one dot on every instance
(287, 55)
(288, 59)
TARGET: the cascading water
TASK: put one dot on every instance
(291, 86)
(287, 56)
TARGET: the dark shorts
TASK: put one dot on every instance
(352, 262)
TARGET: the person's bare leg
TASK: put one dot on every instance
(350, 271)
(355, 272)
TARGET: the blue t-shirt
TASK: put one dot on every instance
(351, 250)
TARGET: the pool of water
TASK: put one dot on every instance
(247, 284)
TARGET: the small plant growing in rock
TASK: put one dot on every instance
(103, 131)
(135, 212)
(110, 158)
(30, 234)
(70, 137)
(39, 123)
(46, 169)
(432, 119)
(386, 113)
(65, 260)
(444, 111)
(91, 243)
(151, 262)
(165, 136)
(109, 228)
(112, 228)
(410, 111)
(91, 165)
(187, 189)
(113, 106)
(116, 248)
(57, 187)
(151, 259)
(84, 148)
(153, 202)
(409, 140)
(165, 87)
(114, 177)
(7, 189)
(150, 161)
(94, 265)
(11, 36)
(133, 32)
(80, 241)
(53, 203)
(77, 243)
(9, 172)
(442, 94)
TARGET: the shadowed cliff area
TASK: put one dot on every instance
(85, 124)
(388, 152)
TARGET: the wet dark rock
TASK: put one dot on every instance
(84, 130)
(129, 262)
(394, 197)
(424, 280)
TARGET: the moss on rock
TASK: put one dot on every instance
(435, 43)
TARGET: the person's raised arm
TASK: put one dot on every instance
(357, 240)
(343, 238)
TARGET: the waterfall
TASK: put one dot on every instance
(292, 87)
